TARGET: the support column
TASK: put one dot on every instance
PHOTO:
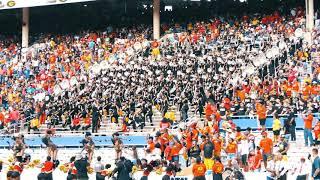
(156, 19)
(311, 14)
(25, 27)
(309, 20)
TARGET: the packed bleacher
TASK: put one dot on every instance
(212, 73)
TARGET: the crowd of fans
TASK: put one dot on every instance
(77, 81)
(253, 65)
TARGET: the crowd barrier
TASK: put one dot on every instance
(245, 121)
(74, 141)
(139, 140)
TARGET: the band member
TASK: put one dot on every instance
(88, 145)
(51, 147)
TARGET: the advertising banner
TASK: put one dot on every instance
(11, 4)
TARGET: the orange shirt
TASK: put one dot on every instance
(295, 87)
(231, 148)
(195, 134)
(217, 146)
(207, 130)
(317, 131)
(151, 146)
(241, 95)
(306, 90)
(217, 168)
(308, 121)
(257, 160)
(262, 112)
(314, 90)
(87, 121)
(175, 149)
(47, 167)
(266, 145)
(1, 117)
(199, 170)
(189, 141)
(209, 109)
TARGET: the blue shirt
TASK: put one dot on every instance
(315, 166)
(91, 44)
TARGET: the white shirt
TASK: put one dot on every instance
(271, 166)
(244, 147)
(302, 168)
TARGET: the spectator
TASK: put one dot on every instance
(266, 145)
(315, 164)
(98, 168)
(276, 127)
(199, 170)
(301, 170)
(291, 124)
(307, 129)
(217, 169)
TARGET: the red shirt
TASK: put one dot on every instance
(76, 121)
(317, 131)
(47, 167)
(18, 168)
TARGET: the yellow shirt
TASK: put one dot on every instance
(170, 115)
(34, 123)
(276, 125)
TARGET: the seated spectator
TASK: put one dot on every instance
(75, 125)
(86, 123)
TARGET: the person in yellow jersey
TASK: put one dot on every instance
(276, 127)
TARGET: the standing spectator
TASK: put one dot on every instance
(276, 127)
(266, 145)
(98, 168)
(308, 128)
(283, 145)
(194, 151)
(208, 152)
(95, 118)
(301, 170)
(217, 169)
(262, 115)
(315, 164)
(199, 170)
(291, 125)
(244, 152)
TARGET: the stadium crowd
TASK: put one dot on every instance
(253, 65)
